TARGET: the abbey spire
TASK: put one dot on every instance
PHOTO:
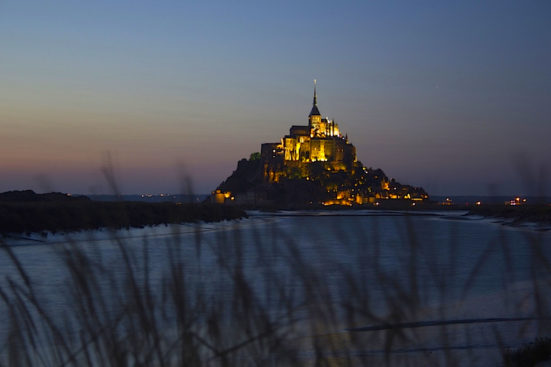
(315, 95)
(315, 111)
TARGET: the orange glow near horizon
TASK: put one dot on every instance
(82, 78)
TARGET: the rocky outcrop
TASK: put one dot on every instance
(300, 184)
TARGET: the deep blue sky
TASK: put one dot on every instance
(453, 96)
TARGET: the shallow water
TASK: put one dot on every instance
(468, 280)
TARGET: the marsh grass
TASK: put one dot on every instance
(262, 293)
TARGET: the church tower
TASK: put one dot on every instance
(314, 118)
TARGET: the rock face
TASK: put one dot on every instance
(315, 164)
(311, 184)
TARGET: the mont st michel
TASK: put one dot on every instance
(314, 165)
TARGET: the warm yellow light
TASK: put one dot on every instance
(336, 202)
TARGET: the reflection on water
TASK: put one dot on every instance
(420, 288)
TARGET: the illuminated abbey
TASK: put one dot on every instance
(314, 164)
(319, 141)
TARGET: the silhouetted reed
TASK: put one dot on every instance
(249, 294)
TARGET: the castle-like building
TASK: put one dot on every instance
(314, 164)
(320, 140)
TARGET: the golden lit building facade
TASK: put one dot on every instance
(319, 141)
(314, 163)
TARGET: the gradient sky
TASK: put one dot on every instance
(452, 96)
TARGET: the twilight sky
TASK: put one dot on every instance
(451, 96)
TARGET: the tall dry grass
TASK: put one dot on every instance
(263, 293)
(246, 297)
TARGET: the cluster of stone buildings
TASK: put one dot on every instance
(319, 141)
(313, 164)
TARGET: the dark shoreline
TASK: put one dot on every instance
(507, 214)
(515, 215)
(77, 215)
(28, 212)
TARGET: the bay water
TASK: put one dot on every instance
(386, 286)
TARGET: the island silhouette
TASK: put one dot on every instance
(314, 165)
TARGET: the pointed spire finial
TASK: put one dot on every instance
(315, 95)
(315, 111)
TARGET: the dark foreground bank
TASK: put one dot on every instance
(26, 212)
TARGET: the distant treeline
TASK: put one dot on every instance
(26, 212)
